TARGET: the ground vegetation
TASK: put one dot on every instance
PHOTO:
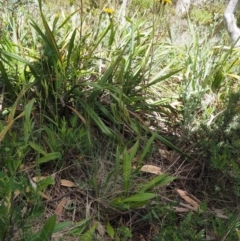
(118, 126)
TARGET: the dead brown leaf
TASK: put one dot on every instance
(188, 198)
(60, 206)
(67, 183)
(220, 213)
(188, 206)
(181, 210)
(45, 196)
(210, 236)
(16, 194)
(151, 169)
(171, 156)
(100, 228)
(142, 238)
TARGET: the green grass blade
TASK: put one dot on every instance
(7, 82)
(139, 197)
(105, 111)
(49, 157)
(98, 41)
(133, 151)
(22, 60)
(27, 118)
(66, 20)
(126, 169)
(9, 125)
(88, 236)
(14, 107)
(62, 226)
(49, 35)
(169, 144)
(146, 148)
(71, 46)
(40, 32)
(106, 76)
(157, 80)
(97, 120)
(37, 148)
(127, 165)
(110, 230)
(157, 181)
(48, 228)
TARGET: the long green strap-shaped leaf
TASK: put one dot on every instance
(9, 125)
(71, 46)
(146, 148)
(49, 157)
(126, 169)
(139, 197)
(46, 232)
(7, 82)
(22, 60)
(134, 201)
(99, 40)
(88, 236)
(37, 148)
(104, 79)
(158, 80)
(169, 144)
(11, 118)
(14, 107)
(48, 228)
(96, 119)
(49, 34)
(27, 118)
(161, 180)
(66, 20)
(127, 165)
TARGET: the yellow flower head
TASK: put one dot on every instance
(108, 10)
(166, 1)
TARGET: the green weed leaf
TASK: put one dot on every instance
(140, 197)
(110, 230)
(161, 180)
(7, 82)
(79, 227)
(49, 157)
(46, 232)
(61, 226)
(127, 165)
(48, 228)
(88, 236)
(37, 148)
(146, 148)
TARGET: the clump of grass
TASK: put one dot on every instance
(87, 101)
(76, 85)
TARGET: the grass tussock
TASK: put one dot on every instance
(117, 122)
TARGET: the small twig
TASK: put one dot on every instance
(60, 197)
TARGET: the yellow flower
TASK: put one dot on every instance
(108, 10)
(166, 1)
